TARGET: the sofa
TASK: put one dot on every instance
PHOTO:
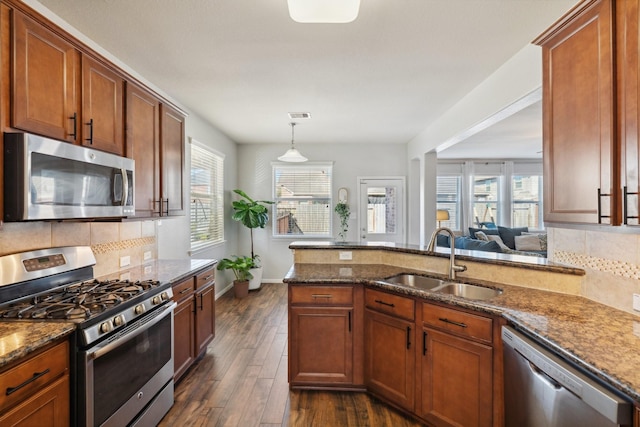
(517, 241)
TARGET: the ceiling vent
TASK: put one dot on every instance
(299, 116)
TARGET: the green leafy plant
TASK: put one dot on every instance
(239, 265)
(343, 211)
(252, 214)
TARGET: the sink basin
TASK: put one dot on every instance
(468, 291)
(415, 281)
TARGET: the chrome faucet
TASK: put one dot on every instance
(453, 268)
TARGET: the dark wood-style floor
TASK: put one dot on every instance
(242, 379)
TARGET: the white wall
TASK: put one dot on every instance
(350, 162)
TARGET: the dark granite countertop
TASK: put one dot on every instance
(603, 340)
(19, 338)
(523, 261)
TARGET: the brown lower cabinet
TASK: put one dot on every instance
(390, 347)
(440, 364)
(42, 395)
(325, 336)
(193, 319)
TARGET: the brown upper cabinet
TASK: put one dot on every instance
(591, 110)
(62, 93)
(143, 146)
(172, 162)
(581, 155)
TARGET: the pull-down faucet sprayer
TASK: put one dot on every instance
(453, 268)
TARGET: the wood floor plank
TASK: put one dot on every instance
(279, 396)
(274, 356)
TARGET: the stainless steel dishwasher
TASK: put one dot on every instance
(543, 390)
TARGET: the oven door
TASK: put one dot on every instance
(124, 374)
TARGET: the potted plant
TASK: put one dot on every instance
(240, 267)
(343, 211)
(252, 214)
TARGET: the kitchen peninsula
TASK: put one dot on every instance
(540, 298)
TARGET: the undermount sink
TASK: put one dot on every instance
(466, 290)
(463, 290)
(415, 281)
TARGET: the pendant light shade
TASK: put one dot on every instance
(324, 11)
(292, 155)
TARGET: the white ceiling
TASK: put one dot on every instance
(243, 64)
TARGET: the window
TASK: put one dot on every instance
(486, 191)
(302, 196)
(525, 205)
(206, 193)
(448, 198)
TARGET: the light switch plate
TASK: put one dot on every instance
(636, 302)
(346, 255)
(125, 260)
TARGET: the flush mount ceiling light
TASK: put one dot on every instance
(324, 11)
(292, 155)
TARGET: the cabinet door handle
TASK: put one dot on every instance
(90, 139)
(385, 303)
(201, 302)
(159, 211)
(321, 296)
(452, 322)
(36, 375)
(408, 337)
(600, 196)
(75, 126)
(167, 202)
(424, 343)
(625, 201)
(349, 321)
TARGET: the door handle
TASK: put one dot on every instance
(90, 139)
(408, 337)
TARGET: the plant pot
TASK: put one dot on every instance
(256, 282)
(241, 288)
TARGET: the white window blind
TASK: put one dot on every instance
(207, 213)
(302, 197)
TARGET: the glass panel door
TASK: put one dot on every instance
(381, 210)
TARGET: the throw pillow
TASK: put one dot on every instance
(508, 235)
(480, 235)
(487, 231)
(528, 242)
(543, 239)
(500, 243)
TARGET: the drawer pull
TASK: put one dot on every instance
(36, 375)
(321, 296)
(385, 303)
(208, 277)
(184, 291)
(451, 322)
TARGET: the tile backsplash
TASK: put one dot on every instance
(611, 262)
(109, 240)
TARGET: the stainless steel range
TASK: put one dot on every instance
(122, 363)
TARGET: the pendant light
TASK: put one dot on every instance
(292, 155)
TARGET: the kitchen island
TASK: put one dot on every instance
(597, 338)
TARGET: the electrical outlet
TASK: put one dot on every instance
(636, 302)
(125, 276)
(125, 260)
(146, 255)
(346, 255)
(148, 269)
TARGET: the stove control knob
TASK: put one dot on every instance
(164, 296)
(156, 300)
(139, 309)
(106, 327)
(118, 320)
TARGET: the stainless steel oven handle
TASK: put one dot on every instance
(101, 350)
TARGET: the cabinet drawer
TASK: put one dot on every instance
(28, 377)
(205, 278)
(391, 304)
(183, 289)
(458, 322)
(321, 295)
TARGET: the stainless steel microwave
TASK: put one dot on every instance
(45, 179)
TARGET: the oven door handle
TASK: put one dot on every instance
(101, 350)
